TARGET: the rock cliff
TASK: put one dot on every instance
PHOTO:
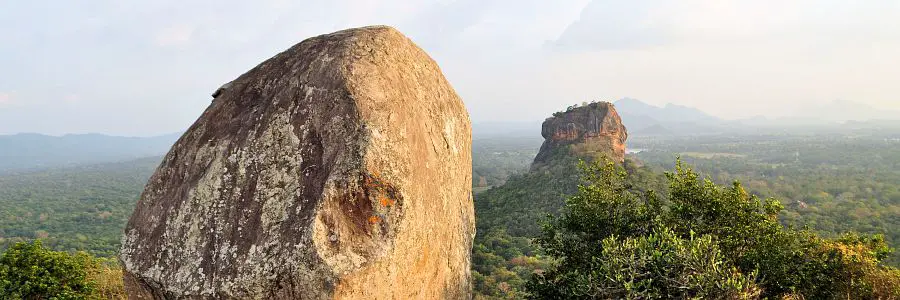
(588, 132)
(339, 168)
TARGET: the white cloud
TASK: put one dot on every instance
(71, 98)
(511, 60)
(641, 24)
(732, 58)
(174, 35)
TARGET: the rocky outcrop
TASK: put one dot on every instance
(588, 132)
(340, 168)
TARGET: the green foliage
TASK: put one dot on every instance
(502, 263)
(706, 241)
(829, 183)
(650, 262)
(494, 160)
(31, 271)
(72, 209)
(524, 199)
(660, 265)
(508, 219)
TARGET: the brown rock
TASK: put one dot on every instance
(588, 132)
(340, 168)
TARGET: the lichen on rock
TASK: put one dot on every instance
(340, 168)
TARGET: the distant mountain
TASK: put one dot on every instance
(29, 151)
(644, 119)
(483, 130)
(653, 130)
(844, 110)
(669, 113)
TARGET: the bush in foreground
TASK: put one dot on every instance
(31, 271)
(705, 242)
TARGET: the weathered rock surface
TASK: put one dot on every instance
(587, 132)
(340, 168)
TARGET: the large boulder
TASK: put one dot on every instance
(590, 132)
(340, 168)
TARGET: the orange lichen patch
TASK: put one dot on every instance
(385, 201)
(373, 219)
(373, 182)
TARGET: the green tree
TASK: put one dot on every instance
(706, 241)
(31, 271)
(611, 243)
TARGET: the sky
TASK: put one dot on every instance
(141, 68)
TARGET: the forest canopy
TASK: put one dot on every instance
(704, 241)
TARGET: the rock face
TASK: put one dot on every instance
(589, 132)
(340, 168)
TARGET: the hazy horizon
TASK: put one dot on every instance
(146, 69)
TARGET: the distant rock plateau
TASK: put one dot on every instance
(590, 131)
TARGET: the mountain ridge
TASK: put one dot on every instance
(35, 151)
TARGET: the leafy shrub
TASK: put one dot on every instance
(31, 271)
(707, 241)
(660, 265)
